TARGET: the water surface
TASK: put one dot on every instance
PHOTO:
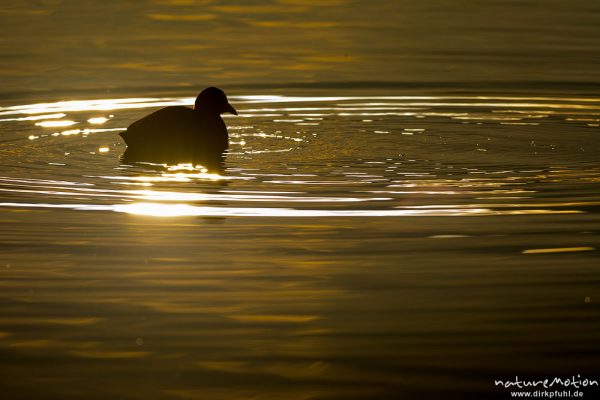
(409, 208)
(66, 45)
(355, 244)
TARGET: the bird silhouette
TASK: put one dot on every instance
(181, 134)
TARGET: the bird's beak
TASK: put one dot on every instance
(230, 109)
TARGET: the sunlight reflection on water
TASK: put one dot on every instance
(402, 239)
(399, 126)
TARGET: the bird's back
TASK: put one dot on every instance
(166, 124)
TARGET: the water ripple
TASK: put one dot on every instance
(413, 155)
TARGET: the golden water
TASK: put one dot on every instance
(352, 245)
(409, 208)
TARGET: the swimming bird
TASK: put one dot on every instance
(181, 134)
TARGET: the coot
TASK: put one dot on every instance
(181, 134)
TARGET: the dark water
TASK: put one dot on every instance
(99, 45)
(401, 239)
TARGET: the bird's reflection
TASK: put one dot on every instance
(207, 164)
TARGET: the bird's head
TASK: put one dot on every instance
(213, 100)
